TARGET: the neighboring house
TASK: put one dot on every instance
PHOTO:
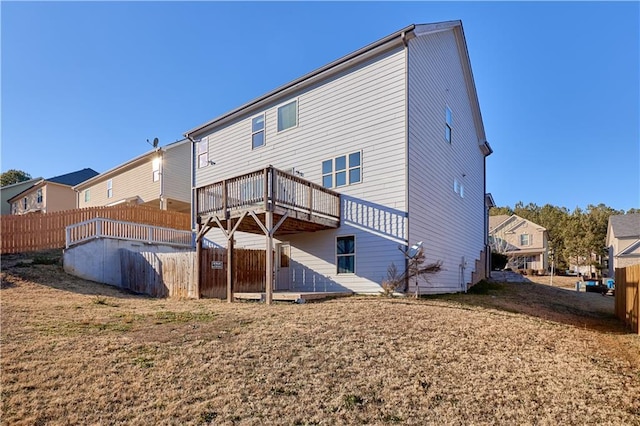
(524, 242)
(623, 241)
(159, 178)
(50, 195)
(9, 191)
(384, 148)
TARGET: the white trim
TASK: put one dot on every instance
(109, 188)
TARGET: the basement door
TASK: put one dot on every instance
(283, 273)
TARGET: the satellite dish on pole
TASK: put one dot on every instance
(155, 142)
(414, 250)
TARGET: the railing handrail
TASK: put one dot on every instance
(268, 177)
(137, 232)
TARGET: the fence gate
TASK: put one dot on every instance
(249, 271)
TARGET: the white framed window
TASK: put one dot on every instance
(458, 188)
(39, 196)
(24, 203)
(110, 188)
(202, 152)
(342, 170)
(14, 208)
(448, 124)
(346, 254)
(525, 239)
(87, 195)
(156, 169)
(257, 131)
(288, 115)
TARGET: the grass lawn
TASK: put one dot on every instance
(76, 352)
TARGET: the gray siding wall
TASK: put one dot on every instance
(451, 227)
(361, 109)
(176, 176)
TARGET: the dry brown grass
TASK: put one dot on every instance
(75, 352)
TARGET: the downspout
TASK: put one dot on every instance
(194, 211)
(160, 157)
(405, 43)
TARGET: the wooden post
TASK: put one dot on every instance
(197, 262)
(229, 262)
(269, 260)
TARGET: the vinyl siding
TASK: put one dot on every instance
(130, 182)
(32, 202)
(451, 227)
(58, 197)
(175, 169)
(362, 109)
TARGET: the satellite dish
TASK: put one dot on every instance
(155, 142)
(414, 250)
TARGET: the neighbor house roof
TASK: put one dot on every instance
(68, 179)
(396, 39)
(73, 178)
(496, 220)
(32, 181)
(625, 225)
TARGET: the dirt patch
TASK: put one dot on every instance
(73, 351)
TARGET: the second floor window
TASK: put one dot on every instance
(448, 125)
(39, 196)
(202, 151)
(288, 116)
(257, 131)
(156, 169)
(87, 195)
(24, 203)
(342, 170)
(109, 188)
(525, 239)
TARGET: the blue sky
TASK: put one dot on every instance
(85, 84)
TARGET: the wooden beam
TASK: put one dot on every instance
(272, 231)
(203, 229)
(264, 230)
(220, 226)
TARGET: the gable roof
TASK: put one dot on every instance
(397, 39)
(625, 225)
(496, 220)
(73, 178)
(30, 182)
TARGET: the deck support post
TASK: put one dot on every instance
(197, 260)
(269, 262)
(230, 261)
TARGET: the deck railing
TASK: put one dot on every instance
(268, 188)
(115, 229)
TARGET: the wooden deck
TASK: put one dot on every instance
(292, 296)
(308, 207)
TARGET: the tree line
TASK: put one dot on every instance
(572, 235)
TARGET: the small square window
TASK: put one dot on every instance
(288, 116)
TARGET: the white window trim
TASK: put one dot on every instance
(87, 195)
(264, 129)
(529, 240)
(155, 166)
(39, 196)
(110, 188)
(355, 266)
(297, 101)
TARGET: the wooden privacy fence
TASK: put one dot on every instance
(628, 296)
(158, 274)
(35, 232)
(249, 268)
(172, 274)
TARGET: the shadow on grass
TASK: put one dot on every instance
(579, 309)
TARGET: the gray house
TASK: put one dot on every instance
(350, 165)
